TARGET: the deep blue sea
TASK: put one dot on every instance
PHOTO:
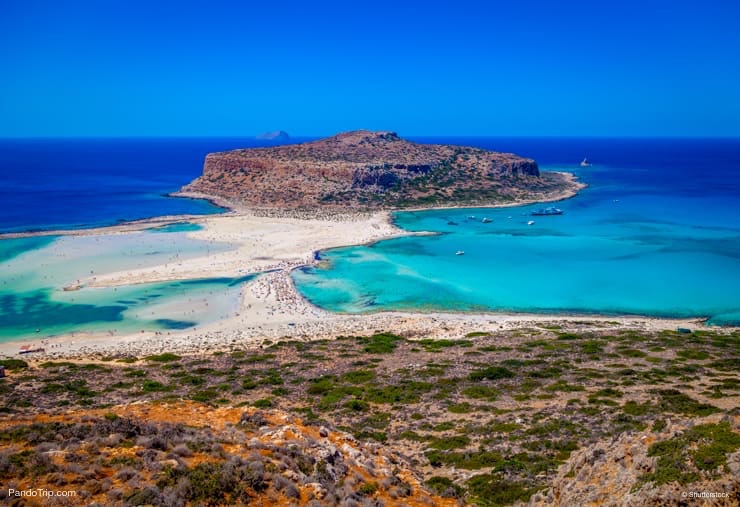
(79, 183)
(657, 232)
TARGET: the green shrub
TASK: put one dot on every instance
(481, 392)
(409, 392)
(490, 490)
(58, 364)
(448, 443)
(592, 347)
(568, 336)
(358, 376)
(412, 435)
(381, 343)
(443, 426)
(443, 486)
(467, 460)
(272, 378)
(609, 393)
(461, 408)
(677, 402)
(693, 354)
(13, 364)
(321, 385)
(491, 373)
(682, 458)
(502, 427)
(632, 353)
(564, 386)
(637, 409)
(431, 345)
(152, 386)
(357, 405)
(205, 395)
(368, 489)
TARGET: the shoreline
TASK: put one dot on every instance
(308, 322)
(230, 209)
(271, 308)
(139, 224)
(575, 187)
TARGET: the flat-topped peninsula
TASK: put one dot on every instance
(364, 169)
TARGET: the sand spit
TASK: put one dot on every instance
(261, 243)
(272, 309)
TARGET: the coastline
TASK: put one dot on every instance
(574, 186)
(271, 308)
(133, 225)
(231, 209)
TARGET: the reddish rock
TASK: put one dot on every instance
(369, 170)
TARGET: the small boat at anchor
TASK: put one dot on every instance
(486, 220)
(460, 252)
(547, 211)
(585, 163)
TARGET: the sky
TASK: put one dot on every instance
(462, 68)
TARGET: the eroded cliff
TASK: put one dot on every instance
(371, 170)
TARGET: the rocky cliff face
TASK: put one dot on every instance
(368, 169)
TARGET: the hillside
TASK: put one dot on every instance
(566, 414)
(373, 170)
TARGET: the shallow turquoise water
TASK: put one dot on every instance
(177, 227)
(12, 248)
(33, 272)
(623, 246)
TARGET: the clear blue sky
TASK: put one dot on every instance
(220, 68)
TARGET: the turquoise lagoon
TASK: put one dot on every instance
(34, 271)
(656, 233)
(630, 244)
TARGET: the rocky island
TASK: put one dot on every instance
(276, 135)
(364, 169)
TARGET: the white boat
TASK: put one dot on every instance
(460, 252)
(486, 220)
(585, 163)
(547, 211)
(531, 222)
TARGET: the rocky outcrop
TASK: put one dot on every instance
(191, 454)
(372, 170)
(618, 473)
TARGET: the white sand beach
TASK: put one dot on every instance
(261, 243)
(271, 309)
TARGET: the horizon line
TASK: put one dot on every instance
(447, 136)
